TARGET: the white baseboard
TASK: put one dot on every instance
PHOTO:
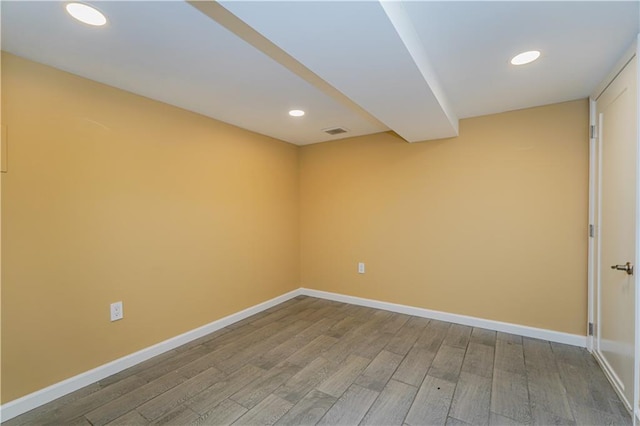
(29, 402)
(521, 330)
(33, 400)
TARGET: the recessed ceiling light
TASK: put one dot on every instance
(87, 14)
(296, 113)
(525, 57)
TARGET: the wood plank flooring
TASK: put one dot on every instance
(311, 361)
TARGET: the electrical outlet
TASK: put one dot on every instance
(361, 268)
(116, 311)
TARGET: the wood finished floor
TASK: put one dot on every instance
(312, 361)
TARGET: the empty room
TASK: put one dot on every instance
(319, 212)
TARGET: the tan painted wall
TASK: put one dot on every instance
(491, 224)
(111, 196)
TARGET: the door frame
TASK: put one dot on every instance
(636, 392)
(593, 254)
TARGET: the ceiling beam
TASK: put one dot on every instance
(231, 22)
(405, 29)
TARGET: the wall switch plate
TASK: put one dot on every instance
(361, 268)
(116, 311)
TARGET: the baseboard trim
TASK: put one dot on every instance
(521, 330)
(29, 402)
(33, 400)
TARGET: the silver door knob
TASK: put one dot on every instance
(628, 267)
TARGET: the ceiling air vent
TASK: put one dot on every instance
(335, 130)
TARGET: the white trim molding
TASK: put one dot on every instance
(636, 370)
(622, 62)
(29, 402)
(522, 330)
(33, 400)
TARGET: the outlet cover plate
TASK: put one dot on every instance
(116, 311)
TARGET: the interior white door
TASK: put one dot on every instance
(616, 144)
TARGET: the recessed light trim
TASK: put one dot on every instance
(525, 57)
(86, 14)
(296, 113)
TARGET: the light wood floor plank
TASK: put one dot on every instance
(267, 412)
(339, 381)
(287, 348)
(340, 351)
(433, 335)
(132, 371)
(542, 417)
(546, 390)
(294, 389)
(250, 395)
(311, 350)
(309, 410)
(483, 336)
(379, 371)
(231, 348)
(404, 339)
(479, 360)
(214, 395)
(395, 323)
(458, 336)
(78, 421)
(224, 413)
(508, 337)
(132, 418)
(354, 340)
(343, 326)
(498, 420)
(81, 406)
(447, 363)
(392, 405)
(196, 366)
(372, 344)
(173, 363)
(586, 415)
(179, 394)
(432, 402)
(254, 351)
(510, 396)
(180, 415)
(414, 366)
(472, 399)
(452, 421)
(117, 407)
(351, 407)
(509, 357)
(586, 384)
(45, 410)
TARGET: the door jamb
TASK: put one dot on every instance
(636, 379)
(591, 273)
(593, 175)
(634, 50)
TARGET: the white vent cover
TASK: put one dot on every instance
(335, 130)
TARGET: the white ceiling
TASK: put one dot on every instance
(412, 67)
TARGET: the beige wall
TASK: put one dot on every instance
(491, 224)
(111, 196)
